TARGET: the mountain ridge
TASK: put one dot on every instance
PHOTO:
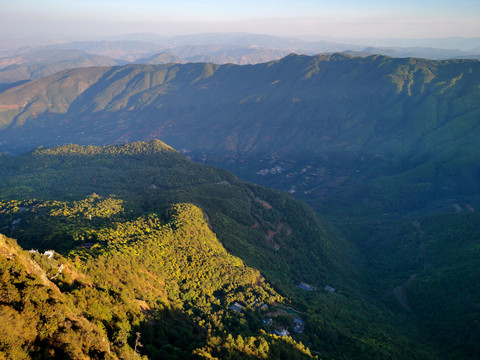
(42, 63)
(419, 98)
(341, 111)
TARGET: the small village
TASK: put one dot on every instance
(280, 326)
(280, 319)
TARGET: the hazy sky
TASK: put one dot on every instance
(319, 18)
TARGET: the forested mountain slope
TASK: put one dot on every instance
(386, 148)
(133, 225)
(332, 117)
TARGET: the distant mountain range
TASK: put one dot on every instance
(218, 51)
(237, 48)
(468, 45)
(37, 64)
(214, 54)
(237, 40)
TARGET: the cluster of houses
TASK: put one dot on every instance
(298, 324)
(298, 327)
(273, 171)
(237, 307)
(307, 287)
(49, 253)
(300, 180)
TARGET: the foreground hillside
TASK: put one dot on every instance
(147, 278)
(139, 268)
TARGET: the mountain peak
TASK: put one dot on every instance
(133, 148)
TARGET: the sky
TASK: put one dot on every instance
(315, 19)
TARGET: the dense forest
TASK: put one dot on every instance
(137, 251)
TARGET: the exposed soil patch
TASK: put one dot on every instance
(265, 204)
(270, 241)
